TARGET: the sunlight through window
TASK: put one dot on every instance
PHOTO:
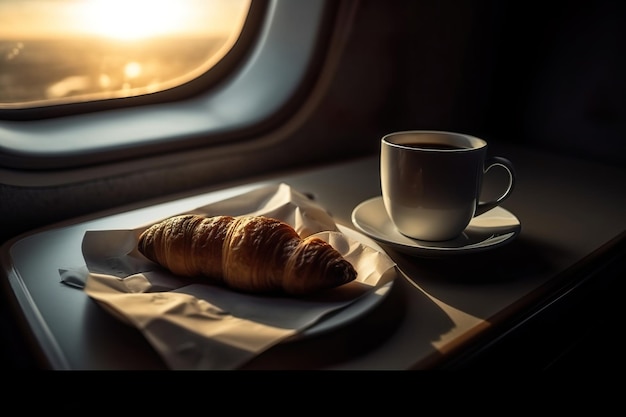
(59, 51)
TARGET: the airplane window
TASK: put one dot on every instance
(260, 82)
(62, 51)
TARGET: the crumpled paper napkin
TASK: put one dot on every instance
(199, 326)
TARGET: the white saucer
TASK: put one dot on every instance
(487, 231)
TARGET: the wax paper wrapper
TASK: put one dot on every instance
(194, 325)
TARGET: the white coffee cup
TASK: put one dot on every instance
(431, 181)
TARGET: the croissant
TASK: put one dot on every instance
(254, 254)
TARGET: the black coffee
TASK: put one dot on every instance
(435, 146)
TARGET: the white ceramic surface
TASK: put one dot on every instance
(486, 231)
(431, 181)
(354, 310)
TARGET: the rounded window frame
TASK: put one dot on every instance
(235, 101)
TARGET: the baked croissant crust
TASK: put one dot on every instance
(254, 254)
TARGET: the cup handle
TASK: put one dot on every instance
(483, 207)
